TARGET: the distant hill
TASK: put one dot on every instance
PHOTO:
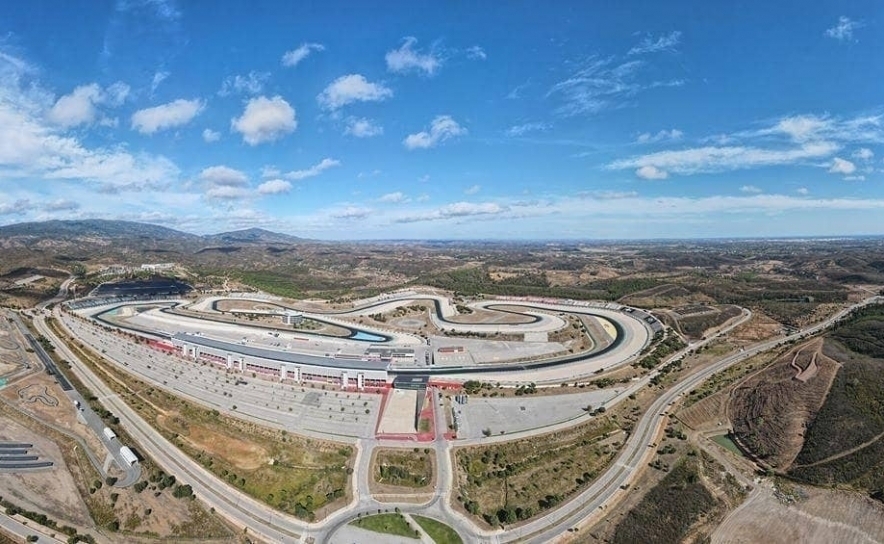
(59, 244)
(254, 236)
(93, 228)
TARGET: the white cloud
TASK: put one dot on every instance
(854, 178)
(442, 128)
(227, 192)
(842, 166)
(525, 128)
(158, 78)
(210, 135)
(661, 136)
(251, 84)
(171, 115)
(352, 88)
(274, 187)
(406, 58)
(751, 189)
(352, 212)
(610, 195)
(265, 120)
(115, 94)
(18, 207)
(603, 83)
(843, 30)
(61, 205)
(863, 154)
(223, 176)
(455, 210)
(651, 172)
(270, 172)
(476, 53)
(76, 108)
(79, 107)
(802, 191)
(423, 197)
(719, 159)
(363, 128)
(314, 170)
(472, 190)
(803, 128)
(393, 198)
(295, 56)
(32, 147)
(666, 42)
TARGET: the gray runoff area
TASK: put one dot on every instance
(302, 409)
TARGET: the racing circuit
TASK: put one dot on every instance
(370, 356)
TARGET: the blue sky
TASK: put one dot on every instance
(511, 120)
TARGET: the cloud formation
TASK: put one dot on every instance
(661, 136)
(442, 128)
(314, 170)
(352, 88)
(210, 135)
(295, 56)
(274, 187)
(711, 159)
(842, 166)
(363, 128)
(843, 29)
(603, 83)
(525, 128)
(407, 59)
(649, 171)
(250, 84)
(174, 114)
(265, 120)
(666, 42)
(80, 106)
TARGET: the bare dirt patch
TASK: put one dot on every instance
(241, 454)
(52, 491)
(759, 327)
(803, 514)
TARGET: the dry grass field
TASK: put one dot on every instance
(803, 514)
(511, 481)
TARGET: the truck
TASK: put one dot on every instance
(109, 434)
(128, 455)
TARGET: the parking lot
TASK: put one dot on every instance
(513, 414)
(295, 408)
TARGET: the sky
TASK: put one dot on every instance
(528, 120)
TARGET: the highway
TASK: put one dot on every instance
(16, 528)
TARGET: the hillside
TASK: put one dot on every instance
(64, 244)
(815, 432)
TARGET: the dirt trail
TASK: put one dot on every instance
(842, 454)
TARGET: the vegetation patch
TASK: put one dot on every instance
(507, 482)
(438, 531)
(388, 524)
(670, 510)
(403, 467)
(695, 326)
